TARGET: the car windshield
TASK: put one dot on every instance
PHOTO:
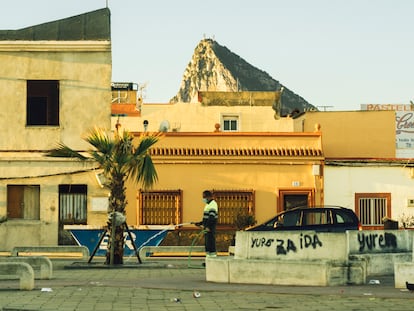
(287, 219)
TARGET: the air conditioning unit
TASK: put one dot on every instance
(410, 202)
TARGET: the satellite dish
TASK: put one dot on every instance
(164, 126)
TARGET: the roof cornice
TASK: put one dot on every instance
(237, 134)
(280, 152)
(55, 46)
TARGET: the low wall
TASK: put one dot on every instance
(321, 245)
(381, 249)
(379, 241)
(292, 245)
(288, 258)
(36, 233)
(382, 263)
(311, 258)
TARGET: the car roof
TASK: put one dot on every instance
(317, 207)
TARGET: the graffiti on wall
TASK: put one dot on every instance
(372, 241)
(284, 246)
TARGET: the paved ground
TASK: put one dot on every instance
(167, 284)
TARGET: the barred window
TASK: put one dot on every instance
(371, 208)
(73, 204)
(160, 207)
(235, 207)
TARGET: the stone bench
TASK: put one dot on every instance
(61, 250)
(148, 251)
(23, 270)
(38, 263)
(283, 272)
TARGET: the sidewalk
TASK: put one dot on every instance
(175, 284)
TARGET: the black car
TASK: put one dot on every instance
(321, 219)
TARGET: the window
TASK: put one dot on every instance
(311, 217)
(160, 207)
(73, 204)
(23, 202)
(290, 219)
(371, 208)
(234, 206)
(42, 102)
(230, 123)
(342, 217)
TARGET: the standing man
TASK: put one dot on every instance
(209, 223)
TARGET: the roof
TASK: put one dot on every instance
(93, 25)
(242, 98)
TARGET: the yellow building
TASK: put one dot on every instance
(244, 167)
(55, 84)
(254, 163)
(250, 173)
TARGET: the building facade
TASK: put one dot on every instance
(55, 85)
(364, 170)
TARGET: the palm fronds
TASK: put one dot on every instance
(64, 151)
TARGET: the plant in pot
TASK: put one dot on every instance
(242, 221)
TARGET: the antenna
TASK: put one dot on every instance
(140, 95)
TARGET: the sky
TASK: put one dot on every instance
(336, 54)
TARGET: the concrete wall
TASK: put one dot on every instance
(289, 258)
(380, 241)
(299, 245)
(379, 249)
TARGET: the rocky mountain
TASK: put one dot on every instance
(215, 68)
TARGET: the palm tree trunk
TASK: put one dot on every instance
(117, 203)
(118, 246)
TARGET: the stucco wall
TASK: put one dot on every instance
(84, 70)
(85, 96)
(22, 232)
(344, 182)
(194, 117)
(353, 134)
(266, 174)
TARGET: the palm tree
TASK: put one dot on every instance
(120, 161)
